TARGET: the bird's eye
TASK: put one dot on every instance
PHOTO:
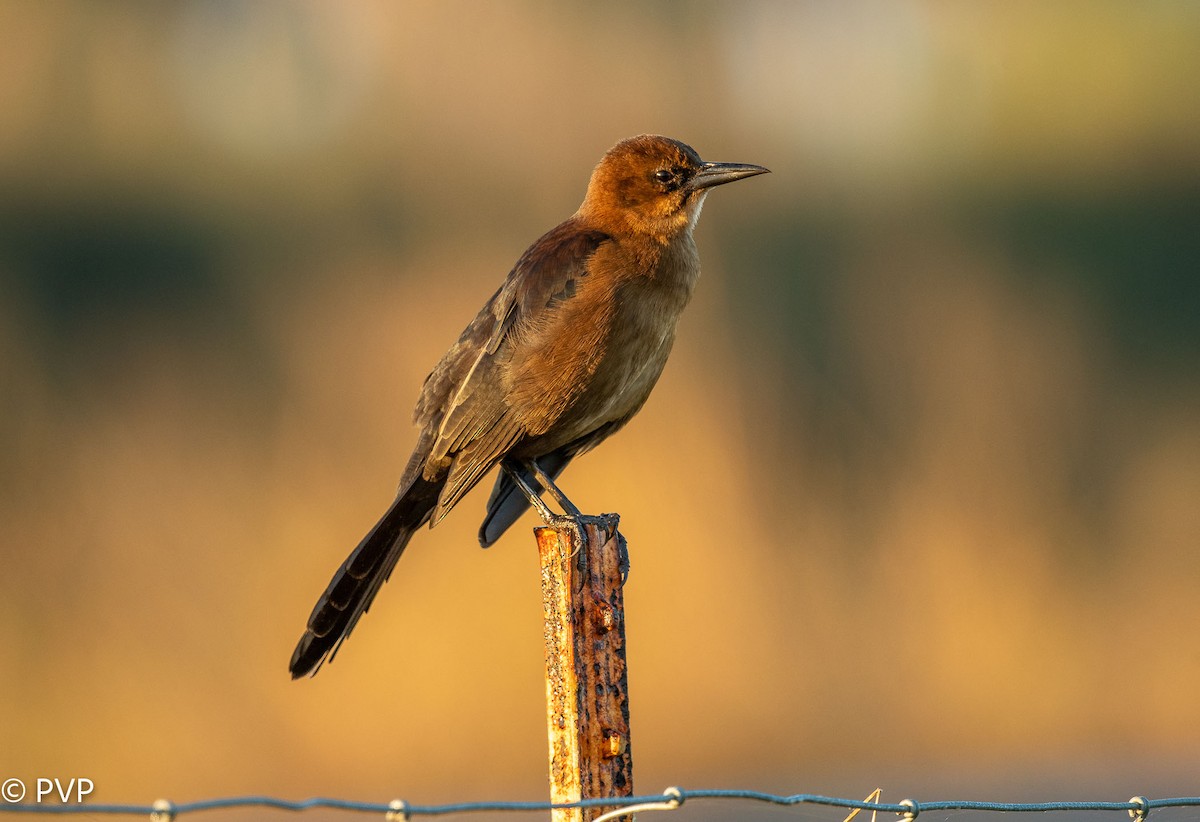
(664, 176)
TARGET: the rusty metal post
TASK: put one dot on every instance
(587, 693)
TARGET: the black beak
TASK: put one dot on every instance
(718, 174)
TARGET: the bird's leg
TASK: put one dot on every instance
(514, 473)
(577, 517)
(572, 519)
(547, 484)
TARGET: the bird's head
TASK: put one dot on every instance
(655, 186)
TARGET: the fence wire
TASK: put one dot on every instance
(1137, 808)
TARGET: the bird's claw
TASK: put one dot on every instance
(576, 525)
(623, 558)
(578, 535)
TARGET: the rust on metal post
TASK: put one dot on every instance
(587, 693)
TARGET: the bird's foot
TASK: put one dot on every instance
(574, 524)
(577, 525)
(514, 472)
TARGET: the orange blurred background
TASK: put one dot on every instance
(916, 504)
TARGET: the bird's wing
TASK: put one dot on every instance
(465, 397)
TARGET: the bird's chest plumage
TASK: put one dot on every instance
(640, 337)
(610, 341)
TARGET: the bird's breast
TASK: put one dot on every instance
(606, 347)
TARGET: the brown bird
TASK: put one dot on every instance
(562, 356)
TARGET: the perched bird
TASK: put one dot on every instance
(563, 355)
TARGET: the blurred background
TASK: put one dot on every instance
(915, 506)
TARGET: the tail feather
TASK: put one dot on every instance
(360, 577)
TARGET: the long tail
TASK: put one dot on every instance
(355, 584)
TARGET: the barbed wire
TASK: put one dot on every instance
(399, 810)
